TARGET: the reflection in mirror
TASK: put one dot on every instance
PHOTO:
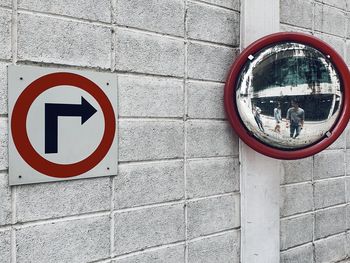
(289, 95)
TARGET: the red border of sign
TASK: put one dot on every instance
(20, 135)
(230, 93)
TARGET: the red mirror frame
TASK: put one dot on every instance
(230, 95)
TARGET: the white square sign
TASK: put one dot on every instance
(62, 124)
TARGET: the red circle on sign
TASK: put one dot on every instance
(230, 93)
(19, 129)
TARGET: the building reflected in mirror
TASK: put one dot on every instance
(289, 95)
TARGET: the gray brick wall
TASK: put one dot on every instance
(315, 205)
(176, 197)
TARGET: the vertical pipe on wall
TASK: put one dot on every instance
(260, 175)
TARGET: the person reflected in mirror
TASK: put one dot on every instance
(278, 117)
(295, 119)
(256, 112)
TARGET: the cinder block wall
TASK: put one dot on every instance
(176, 198)
(315, 205)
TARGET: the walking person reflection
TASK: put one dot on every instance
(256, 112)
(295, 116)
(278, 117)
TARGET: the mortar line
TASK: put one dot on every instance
(296, 246)
(102, 260)
(331, 6)
(215, 234)
(127, 163)
(7, 60)
(345, 176)
(146, 75)
(344, 47)
(149, 32)
(149, 118)
(347, 131)
(13, 189)
(191, 80)
(206, 80)
(236, 156)
(20, 225)
(158, 161)
(112, 179)
(14, 25)
(213, 44)
(185, 126)
(214, 5)
(340, 205)
(330, 236)
(64, 66)
(288, 217)
(5, 8)
(149, 161)
(149, 249)
(13, 222)
(313, 209)
(195, 199)
(296, 183)
(207, 119)
(143, 74)
(148, 206)
(111, 215)
(64, 17)
(198, 159)
(170, 118)
(313, 33)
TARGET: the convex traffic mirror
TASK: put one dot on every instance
(287, 95)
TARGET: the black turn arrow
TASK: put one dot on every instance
(52, 111)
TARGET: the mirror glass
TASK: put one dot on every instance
(289, 95)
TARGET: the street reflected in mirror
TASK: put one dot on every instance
(289, 95)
